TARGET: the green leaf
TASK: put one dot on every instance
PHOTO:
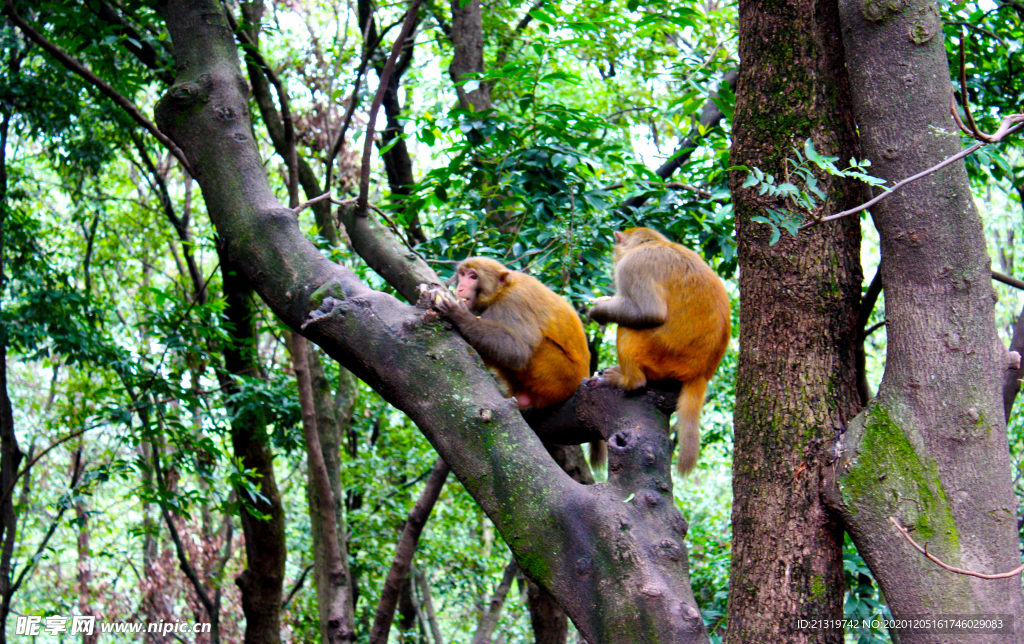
(543, 16)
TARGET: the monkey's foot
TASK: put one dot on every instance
(614, 375)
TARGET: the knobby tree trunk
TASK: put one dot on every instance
(796, 379)
(930, 451)
(612, 555)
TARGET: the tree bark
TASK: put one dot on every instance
(612, 555)
(796, 378)
(467, 35)
(930, 451)
(1011, 379)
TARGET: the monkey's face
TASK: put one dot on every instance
(468, 288)
(481, 281)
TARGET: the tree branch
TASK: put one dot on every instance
(489, 619)
(960, 571)
(1010, 125)
(297, 586)
(1011, 379)
(291, 153)
(385, 78)
(1006, 279)
(404, 552)
(179, 548)
(76, 476)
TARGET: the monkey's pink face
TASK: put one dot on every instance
(469, 284)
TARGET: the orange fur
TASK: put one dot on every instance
(673, 317)
(528, 333)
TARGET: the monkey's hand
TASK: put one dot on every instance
(451, 307)
(600, 312)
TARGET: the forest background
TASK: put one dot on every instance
(159, 407)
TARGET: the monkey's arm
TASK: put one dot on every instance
(507, 343)
(648, 311)
(640, 301)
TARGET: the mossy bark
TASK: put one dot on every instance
(931, 449)
(799, 300)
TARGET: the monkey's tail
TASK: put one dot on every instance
(691, 400)
(598, 454)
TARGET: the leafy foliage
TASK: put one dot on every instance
(802, 189)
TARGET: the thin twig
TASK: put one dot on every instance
(973, 27)
(385, 78)
(1006, 279)
(306, 204)
(1010, 125)
(874, 327)
(960, 571)
(107, 90)
(394, 227)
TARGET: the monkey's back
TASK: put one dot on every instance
(562, 359)
(693, 339)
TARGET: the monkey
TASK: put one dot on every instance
(530, 335)
(673, 317)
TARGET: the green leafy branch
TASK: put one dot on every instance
(802, 191)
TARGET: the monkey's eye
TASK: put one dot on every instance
(471, 275)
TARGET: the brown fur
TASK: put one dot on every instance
(673, 317)
(528, 333)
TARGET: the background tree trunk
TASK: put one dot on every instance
(330, 556)
(262, 580)
(796, 379)
(930, 451)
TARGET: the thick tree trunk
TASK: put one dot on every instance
(612, 555)
(796, 380)
(930, 451)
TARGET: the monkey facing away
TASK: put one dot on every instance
(523, 329)
(673, 317)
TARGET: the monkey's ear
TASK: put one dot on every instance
(619, 237)
(503, 275)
